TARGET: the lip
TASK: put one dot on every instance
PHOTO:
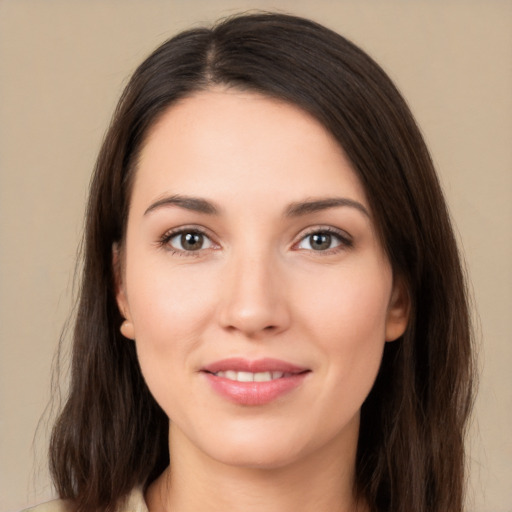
(254, 393)
(239, 364)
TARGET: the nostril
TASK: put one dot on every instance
(251, 311)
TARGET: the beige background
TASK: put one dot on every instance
(62, 66)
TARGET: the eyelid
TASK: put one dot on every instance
(164, 240)
(345, 239)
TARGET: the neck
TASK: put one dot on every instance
(318, 482)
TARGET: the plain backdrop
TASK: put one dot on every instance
(63, 64)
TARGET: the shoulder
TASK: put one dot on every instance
(134, 503)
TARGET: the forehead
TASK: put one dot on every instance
(231, 145)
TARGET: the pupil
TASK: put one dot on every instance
(321, 241)
(192, 241)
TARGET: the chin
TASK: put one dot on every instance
(257, 457)
(266, 442)
(250, 448)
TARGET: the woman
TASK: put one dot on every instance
(273, 313)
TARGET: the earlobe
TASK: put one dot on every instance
(398, 311)
(126, 328)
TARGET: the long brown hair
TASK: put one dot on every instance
(111, 434)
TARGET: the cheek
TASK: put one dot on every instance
(168, 302)
(349, 303)
(346, 316)
(170, 310)
(169, 305)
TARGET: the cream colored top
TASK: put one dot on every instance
(134, 503)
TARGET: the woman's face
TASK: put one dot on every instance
(253, 282)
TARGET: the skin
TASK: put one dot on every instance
(257, 287)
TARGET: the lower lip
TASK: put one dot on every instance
(254, 393)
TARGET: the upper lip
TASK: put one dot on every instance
(239, 364)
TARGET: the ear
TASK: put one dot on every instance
(398, 310)
(127, 329)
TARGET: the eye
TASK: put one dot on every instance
(187, 240)
(324, 240)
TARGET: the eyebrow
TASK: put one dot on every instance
(296, 209)
(316, 205)
(195, 204)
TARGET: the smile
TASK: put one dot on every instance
(253, 383)
(252, 377)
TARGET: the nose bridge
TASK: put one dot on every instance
(255, 298)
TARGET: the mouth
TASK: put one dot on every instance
(251, 377)
(256, 382)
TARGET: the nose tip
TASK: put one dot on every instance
(251, 322)
(254, 302)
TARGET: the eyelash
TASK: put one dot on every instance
(344, 240)
(164, 241)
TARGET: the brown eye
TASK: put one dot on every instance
(189, 241)
(320, 240)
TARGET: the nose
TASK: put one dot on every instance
(254, 299)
